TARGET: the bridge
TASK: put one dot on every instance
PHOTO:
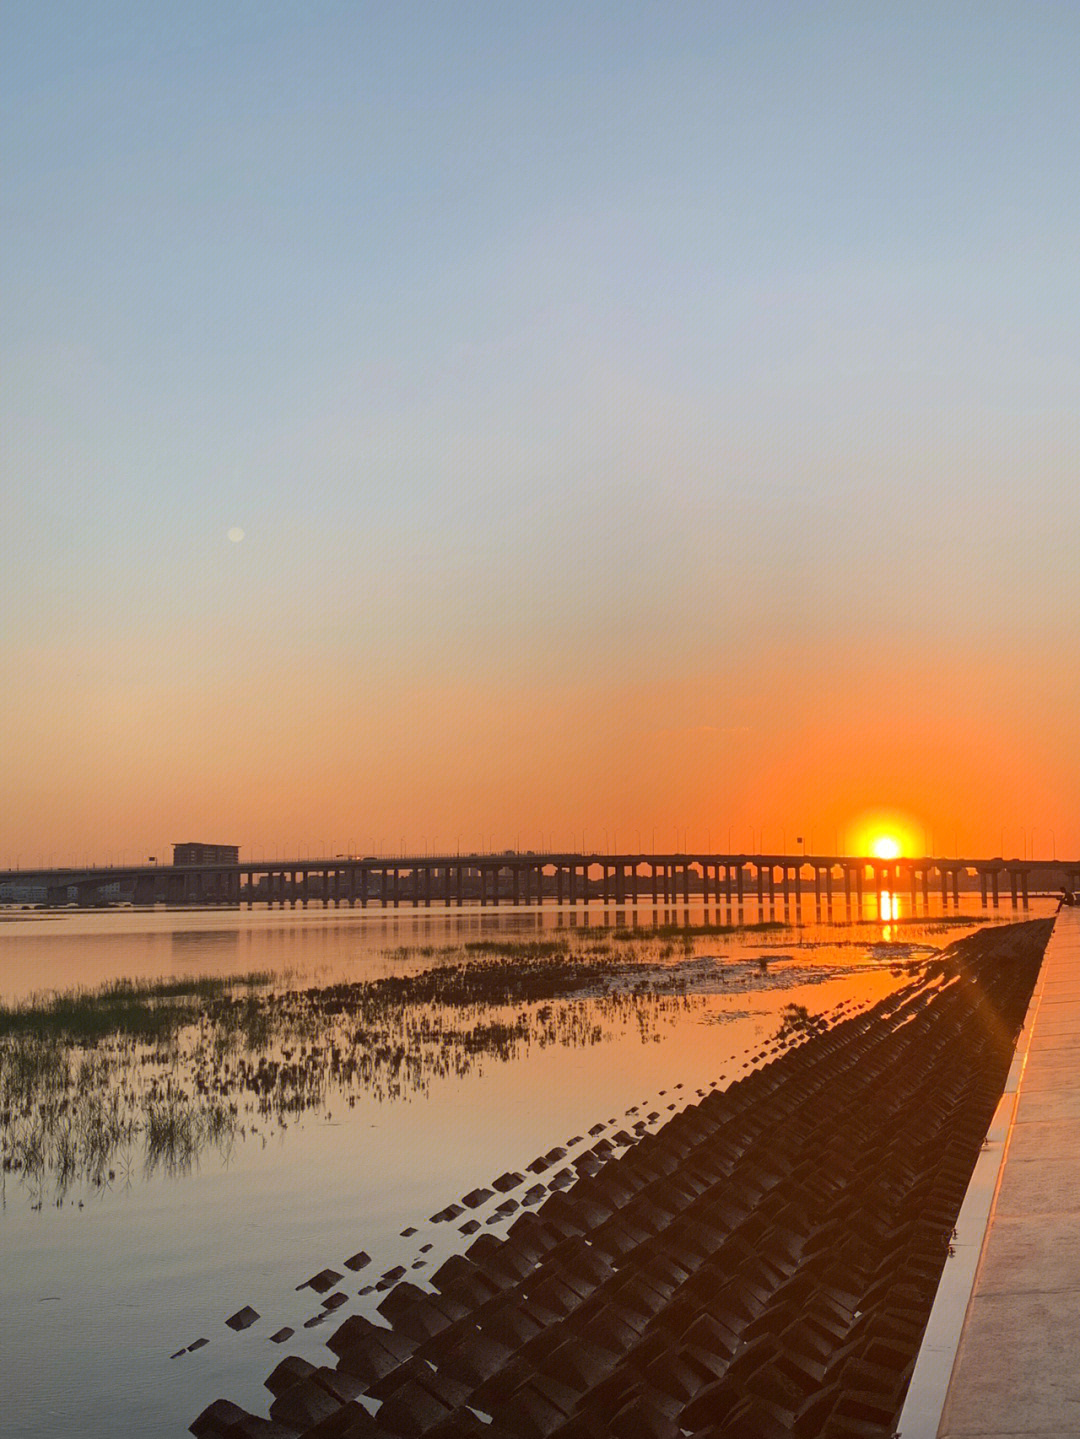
(563, 878)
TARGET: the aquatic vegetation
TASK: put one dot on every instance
(160, 1072)
(146, 1077)
(148, 1011)
(696, 931)
(518, 948)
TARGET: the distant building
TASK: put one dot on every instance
(206, 854)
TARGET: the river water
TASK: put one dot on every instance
(108, 1277)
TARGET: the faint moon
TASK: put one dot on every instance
(236, 534)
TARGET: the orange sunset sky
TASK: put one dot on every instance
(440, 429)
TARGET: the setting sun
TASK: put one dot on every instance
(885, 833)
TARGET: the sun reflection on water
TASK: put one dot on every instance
(888, 910)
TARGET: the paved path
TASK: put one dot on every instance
(1017, 1368)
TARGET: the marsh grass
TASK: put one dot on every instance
(692, 932)
(145, 1077)
(518, 948)
(93, 1079)
(147, 1011)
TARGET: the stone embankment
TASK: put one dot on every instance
(762, 1266)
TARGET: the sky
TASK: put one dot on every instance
(448, 426)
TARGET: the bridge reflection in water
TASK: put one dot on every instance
(773, 881)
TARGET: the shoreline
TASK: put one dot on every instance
(721, 1217)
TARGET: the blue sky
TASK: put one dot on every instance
(604, 345)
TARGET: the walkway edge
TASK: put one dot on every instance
(924, 1404)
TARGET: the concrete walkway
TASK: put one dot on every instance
(1016, 1369)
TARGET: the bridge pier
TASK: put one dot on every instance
(1018, 883)
(143, 892)
(988, 876)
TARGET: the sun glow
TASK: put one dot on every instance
(886, 834)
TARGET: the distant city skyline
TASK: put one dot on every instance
(462, 427)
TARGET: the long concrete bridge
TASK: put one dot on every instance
(563, 878)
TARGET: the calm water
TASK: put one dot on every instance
(102, 1282)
